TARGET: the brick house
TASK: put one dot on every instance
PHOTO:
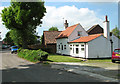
(49, 40)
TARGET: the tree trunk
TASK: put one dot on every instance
(24, 39)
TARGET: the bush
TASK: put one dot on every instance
(47, 50)
(33, 55)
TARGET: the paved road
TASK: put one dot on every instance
(15, 69)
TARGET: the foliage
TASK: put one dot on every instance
(15, 36)
(53, 29)
(8, 39)
(59, 58)
(33, 55)
(116, 32)
(41, 39)
(23, 18)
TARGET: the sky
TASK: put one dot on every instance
(85, 13)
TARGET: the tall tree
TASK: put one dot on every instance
(53, 29)
(8, 39)
(23, 17)
(116, 32)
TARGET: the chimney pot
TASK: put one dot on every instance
(106, 18)
(66, 24)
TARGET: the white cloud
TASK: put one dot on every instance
(54, 17)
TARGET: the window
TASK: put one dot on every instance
(70, 45)
(82, 49)
(59, 46)
(82, 45)
(77, 45)
(77, 50)
(64, 46)
(79, 33)
(70, 48)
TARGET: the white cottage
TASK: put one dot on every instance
(76, 42)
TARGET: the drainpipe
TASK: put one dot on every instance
(111, 46)
(111, 43)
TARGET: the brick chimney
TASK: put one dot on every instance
(106, 28)
(66, 24)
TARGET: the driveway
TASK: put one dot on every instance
(15, 69)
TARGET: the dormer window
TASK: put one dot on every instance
(79, 33)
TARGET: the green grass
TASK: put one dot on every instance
(60, 58)
(99, 60)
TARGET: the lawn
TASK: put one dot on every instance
(60, 58)
(99, 60)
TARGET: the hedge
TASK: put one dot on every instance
(33, 55)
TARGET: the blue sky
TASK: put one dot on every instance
(94, 14)
(101, 8)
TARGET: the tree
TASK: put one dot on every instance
(8, 39)
(116, 32)
(53, 29)
(23, 18)
(41, 39)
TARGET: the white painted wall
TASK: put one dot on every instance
(116, 42)
(63, 42)
(81, 53)
(74, 34)
(99, 48)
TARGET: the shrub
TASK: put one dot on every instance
(33, 55)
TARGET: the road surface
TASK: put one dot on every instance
(15, 69)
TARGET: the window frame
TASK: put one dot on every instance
(61, 47)
(79, 33)
(64, 46)
(77, 50)
(58, 46)
(82, 48)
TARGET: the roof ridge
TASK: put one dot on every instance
(52, 31)
(92, 27)
(73, 25)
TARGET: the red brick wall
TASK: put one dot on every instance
(52, 48)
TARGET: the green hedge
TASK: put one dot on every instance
(33, 55)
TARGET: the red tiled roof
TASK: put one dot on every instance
(49, 36)
(67, 32)
(86, 38)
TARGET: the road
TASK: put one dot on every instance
(15, 69)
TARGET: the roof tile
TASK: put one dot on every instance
(49, 36)
(86, 38)
(67, 32)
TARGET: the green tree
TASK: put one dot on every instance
(53, 29)
(8, 39)
(41, 39)
(15, 36)
(23, 18)
(116, 32)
